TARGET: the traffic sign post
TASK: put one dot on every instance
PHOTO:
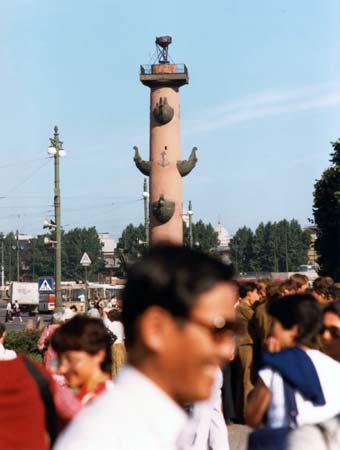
(85, 262)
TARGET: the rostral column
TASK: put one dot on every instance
(165, 167)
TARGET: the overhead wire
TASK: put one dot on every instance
(27, 161)
(28, 177)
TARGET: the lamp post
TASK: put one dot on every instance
(190, 213)
(18, 255)
(56, 150)
(146, 196)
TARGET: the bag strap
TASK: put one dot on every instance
(46, 397)
(290, 404)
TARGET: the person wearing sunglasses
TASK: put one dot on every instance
(330, 331)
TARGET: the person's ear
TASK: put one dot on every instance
(155, 329)
(100, 355)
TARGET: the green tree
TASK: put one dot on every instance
(242, 250)
(298, 245)
(74, 244)
(275, 247)
(326, 211)
(132, 240)
(39, 259)
(265, 248)
(204, 236)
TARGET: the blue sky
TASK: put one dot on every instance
(262, 105)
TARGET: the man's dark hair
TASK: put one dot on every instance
(299, 279)
(2, 329)
(246, 287)
(170, 277)
(321, 285)
(334, 293)
(301, 310)
(114, 315)
(333, 307)
(85, 334)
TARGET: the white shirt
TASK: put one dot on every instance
(5, 354)
(328, 371)
(209, 423)
(116, 328)
(135, 414)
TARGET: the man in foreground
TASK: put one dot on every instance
(179, 320)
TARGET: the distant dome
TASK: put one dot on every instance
(223, 235)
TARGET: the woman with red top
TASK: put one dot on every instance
(84, 352)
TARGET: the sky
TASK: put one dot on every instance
(262, 106)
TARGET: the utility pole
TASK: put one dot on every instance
(190, 213)
(146, 197)
(18, 256)
(56, 150)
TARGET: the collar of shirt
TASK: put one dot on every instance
(167, 419)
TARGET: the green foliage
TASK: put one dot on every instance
(75, 242)
(327, 216)
(274, 247)
(38, 260)
(24, 342)
(130, 239)
(204, 236)
(242, 250)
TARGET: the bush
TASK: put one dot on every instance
(24, 342)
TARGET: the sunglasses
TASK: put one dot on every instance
(219, 327)
(333, 331)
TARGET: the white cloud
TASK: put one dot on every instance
(266, 104)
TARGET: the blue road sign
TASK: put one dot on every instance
(45, 285)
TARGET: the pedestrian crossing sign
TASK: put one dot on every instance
(45, 284)
(85, 260)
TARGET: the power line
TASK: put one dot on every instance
(29, 176)
(27, 161)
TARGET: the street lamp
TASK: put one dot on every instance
(56, 150)
(190, 213)
(146, 196)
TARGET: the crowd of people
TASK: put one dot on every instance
(186, 351)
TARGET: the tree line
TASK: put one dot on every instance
(273, 247)
(205, 238)
(36, 260)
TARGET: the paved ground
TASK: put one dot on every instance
(238, 436)
(16, 324)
